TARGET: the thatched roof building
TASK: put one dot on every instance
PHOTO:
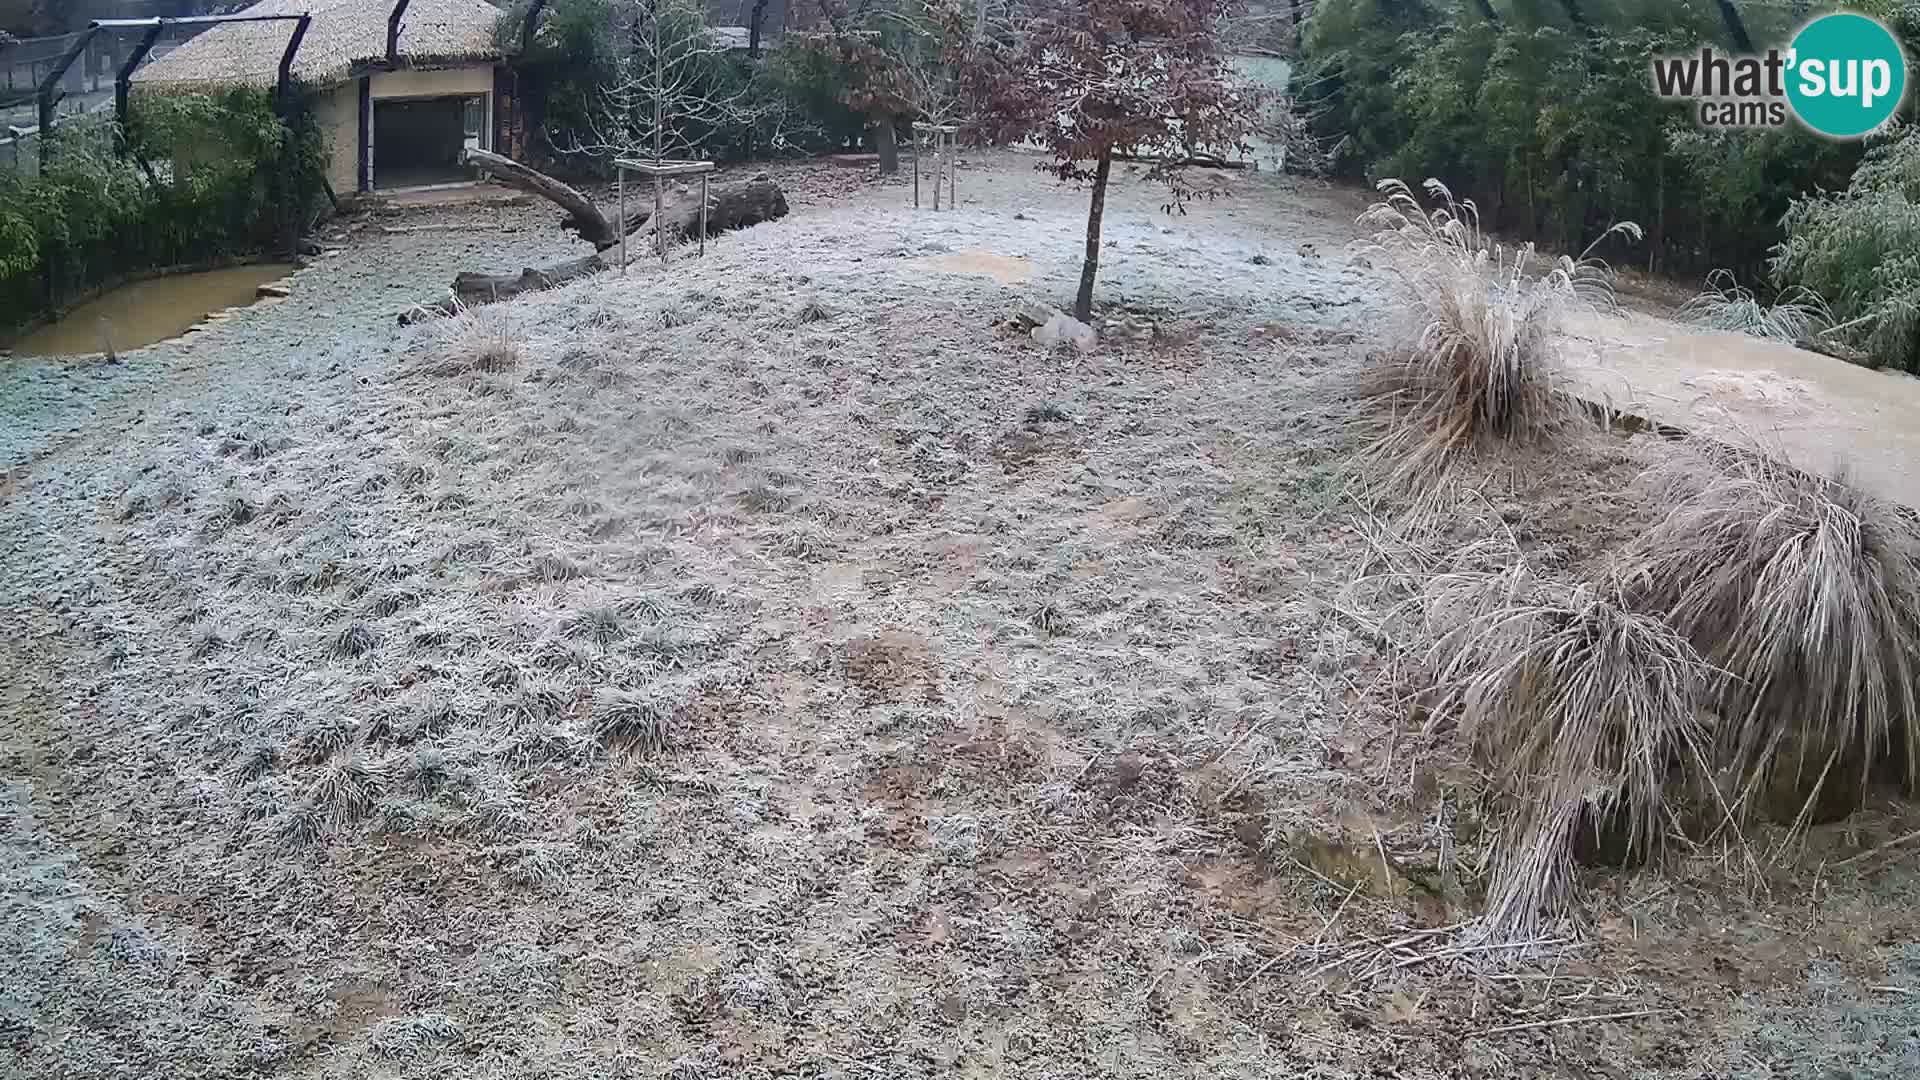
(346, 38)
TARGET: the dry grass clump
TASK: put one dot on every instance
(352, 641)
(405, 1038)
(638, 719)
(1584, 708)
(1794, 315)
(345, 792)
(600, 625)
(1806, 591)
(1476, 364)
(478, 340)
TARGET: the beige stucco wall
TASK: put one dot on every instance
(338, 113)
(477, 79)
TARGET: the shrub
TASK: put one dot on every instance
(204, 177)
(1806, 592)
(1476, 364)
(1795, 315)
(1553, 124)
(1861, 250)
(1584, 708)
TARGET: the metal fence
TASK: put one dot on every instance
(86, 89)
(20, 151)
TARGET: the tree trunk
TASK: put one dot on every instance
(886, 141)
(980, 19)
(755, 19)
(1090, 269)
(472, 289)
(729, 206)
(1487, 12)
(1576, 16)
(1736, 26)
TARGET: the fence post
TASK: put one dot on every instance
(52, 83)
(283, 89)
(123, 82)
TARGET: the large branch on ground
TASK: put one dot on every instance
(729, 206)
(1204, 161)
(582, 216)
(472, 290)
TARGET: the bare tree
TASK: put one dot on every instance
(677, 89)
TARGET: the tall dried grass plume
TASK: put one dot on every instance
(1806, 591)
(1583, 708)
(1475, 362)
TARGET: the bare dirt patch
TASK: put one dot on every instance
(1007, 270)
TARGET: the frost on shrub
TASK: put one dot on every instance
(1860, 249)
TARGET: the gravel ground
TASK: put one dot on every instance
(777, 665)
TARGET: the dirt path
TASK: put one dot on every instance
(1820, 412)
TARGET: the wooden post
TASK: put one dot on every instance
(684, 216)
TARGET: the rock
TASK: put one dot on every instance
(1065, 328)
(273, 291)
(309, 246)
(1033, 312)
(1309, 251)
(1261, 260)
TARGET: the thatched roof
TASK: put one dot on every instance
(344, 34)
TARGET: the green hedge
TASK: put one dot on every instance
(1554, 128)
(200, 178)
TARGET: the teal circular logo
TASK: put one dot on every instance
(1845, 75)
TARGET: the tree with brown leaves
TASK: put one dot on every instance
(1094, 78)
(892, 55)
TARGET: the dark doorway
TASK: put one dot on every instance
(417, 142)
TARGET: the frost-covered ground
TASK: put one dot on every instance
(777, 666)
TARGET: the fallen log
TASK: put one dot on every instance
(472, 290)
(734, 205)
(729, 206)
(1203, 161)
(582, 216)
